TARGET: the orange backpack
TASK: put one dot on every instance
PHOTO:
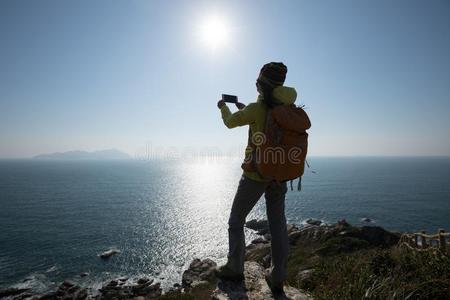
(279, 153)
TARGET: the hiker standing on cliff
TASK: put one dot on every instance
(259, 179)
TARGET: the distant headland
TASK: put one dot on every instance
(85, 155)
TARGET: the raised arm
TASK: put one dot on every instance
(243, 116)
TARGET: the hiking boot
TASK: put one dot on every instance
(275, 287)
(225, 273)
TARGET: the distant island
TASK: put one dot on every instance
(85, 155)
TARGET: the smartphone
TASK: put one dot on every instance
(229, 98)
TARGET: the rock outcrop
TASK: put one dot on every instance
(67, 290)
(145, 288)
(11, 292)
(116, 289)
(199, 272)
(254, 287)
(199, 278)
(260, 226)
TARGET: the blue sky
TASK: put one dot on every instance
(90, 75)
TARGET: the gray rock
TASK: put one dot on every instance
(266, 261)
(108, 253)
(144, 280)
(260, 241)
(146, 289)
(375, 235)
(291, 228)
(67, 284)
(267, 236)
(257, 252)
(67, 290)
(342, 223)
(48, 296)
(188, 278)
(11, 292)
(313, 222)
(81, 294)
(199, 270)
(112, 283)
(118, 289)
(199, 283)
(312, 234)
(174, 291)
(207, 275)
(261, 226)
(370, 235)
(23, 296)
(253, 288)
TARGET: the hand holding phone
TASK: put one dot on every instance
(229, 98)
(221, 103)
(240, 105)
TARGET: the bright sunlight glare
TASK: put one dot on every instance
(214, 32)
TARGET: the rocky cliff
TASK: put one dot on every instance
(319, 257)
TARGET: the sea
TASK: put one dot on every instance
(57, 216)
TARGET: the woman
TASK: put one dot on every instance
(252, 186)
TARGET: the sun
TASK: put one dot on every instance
(214, 32)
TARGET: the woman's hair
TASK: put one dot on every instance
(271, 75)
(267, 94)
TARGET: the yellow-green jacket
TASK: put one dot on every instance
(254, 114)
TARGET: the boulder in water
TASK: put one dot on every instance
(260, 226)
(313, 222)
(109, 253)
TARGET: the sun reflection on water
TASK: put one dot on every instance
(198, 213)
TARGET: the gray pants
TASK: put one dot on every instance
(248, 193)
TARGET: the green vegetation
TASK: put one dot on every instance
(350, 268)
(345, 262)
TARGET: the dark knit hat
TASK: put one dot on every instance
(273, 74)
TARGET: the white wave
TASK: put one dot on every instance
(37, 282)
(52, 269)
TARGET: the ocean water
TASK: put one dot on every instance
(57, 216)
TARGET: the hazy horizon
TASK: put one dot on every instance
(202, 156)
(90, 76)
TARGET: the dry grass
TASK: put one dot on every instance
(357, 271)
